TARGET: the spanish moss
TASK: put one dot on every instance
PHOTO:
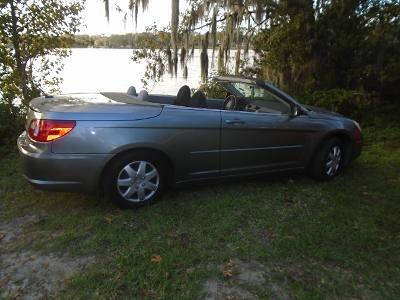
(231, 14)
(204, 58)
(183, 57)
(174, 33)
(107, 9)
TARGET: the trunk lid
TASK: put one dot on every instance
(92, 107)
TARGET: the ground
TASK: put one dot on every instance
(277, 237)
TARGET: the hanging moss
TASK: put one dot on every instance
(231, 14)
(107, 9)
(183, 57)
(204, 58)
(192, 52)
(237, 61)
(259, 10)
(175, 62)
(134, 7)
(221, 63)
(214, 28)
(169, 58)
(174, 34)
(204, 65)
(185, 72)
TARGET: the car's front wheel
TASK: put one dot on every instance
(328, 161)
(135, 179)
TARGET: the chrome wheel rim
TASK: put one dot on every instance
(138, 181)
(333, 161)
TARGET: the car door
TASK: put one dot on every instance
(264, 139)
(191, 138)
(254, 142)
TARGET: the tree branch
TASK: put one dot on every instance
(250, 12)
(205, 25)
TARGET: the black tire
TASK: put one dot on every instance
(319, 169)
(115, 170)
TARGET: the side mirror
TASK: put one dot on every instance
(294, 111)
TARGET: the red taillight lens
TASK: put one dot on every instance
(49, 130)
(357, 135)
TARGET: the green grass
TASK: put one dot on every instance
(318, 240)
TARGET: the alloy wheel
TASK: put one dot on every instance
(138, 181)
(333, 161)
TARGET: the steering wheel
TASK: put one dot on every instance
(230, 103)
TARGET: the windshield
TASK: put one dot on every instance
(261, 99)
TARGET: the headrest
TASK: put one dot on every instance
(131, 91)
(183, 96)
(199, 99)
(143, 95)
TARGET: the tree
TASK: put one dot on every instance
(300, 44)
(230, 15)
(32, 32)
(351, 44)
(34, 35)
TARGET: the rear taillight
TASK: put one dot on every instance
(49, 130)
(357, 135)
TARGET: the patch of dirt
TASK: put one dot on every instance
(249, 273)
(240, 278)
(215, 290)
(25, 274)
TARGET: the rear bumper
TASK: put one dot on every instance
(59, 172)
(357, 147)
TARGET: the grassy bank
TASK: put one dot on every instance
(311, 240)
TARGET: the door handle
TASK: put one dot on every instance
(234, 121)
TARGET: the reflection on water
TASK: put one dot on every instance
(95, 70)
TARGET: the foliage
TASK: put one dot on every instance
(230, 14)
(349, 103)
(342, 44)
(213, 90)
(34, 36)
(12, 121)
(306, 44)
(155, 53)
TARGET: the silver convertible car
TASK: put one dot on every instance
(132, 146)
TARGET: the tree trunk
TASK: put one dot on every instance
(174, 32)
(15, 39)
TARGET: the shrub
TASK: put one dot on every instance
(12, 121)
(346, 102)
(213, 90)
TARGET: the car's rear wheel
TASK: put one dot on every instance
(328, 161)
(135, 179)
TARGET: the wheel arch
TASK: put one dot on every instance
(166, 159)
(343, 136)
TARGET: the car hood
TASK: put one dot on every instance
(101, 106)
(321, 113)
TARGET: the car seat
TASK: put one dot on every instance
(131, 91)
(143, 95)
(183, 96)
(199, 99)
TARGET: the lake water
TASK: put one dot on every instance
(96, 70)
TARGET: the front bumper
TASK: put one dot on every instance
(59, 172)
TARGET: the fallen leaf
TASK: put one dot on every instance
(2, 235)
(156, 259)
(227, 273)
(108, 219)
(230, 263)
(189, 270)
(147, 293)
